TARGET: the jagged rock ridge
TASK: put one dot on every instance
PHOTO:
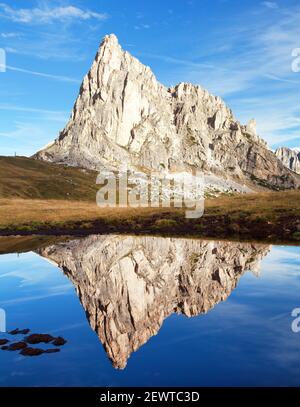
(124, 115)
(289, 157)
(128, 285)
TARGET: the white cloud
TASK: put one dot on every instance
(60, 41)
(270, 4)
(10, 35)
(47, 14)
(142, 26)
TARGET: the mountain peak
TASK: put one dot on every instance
(123, 115)
(110, 38)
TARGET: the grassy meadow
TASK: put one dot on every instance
(37, 197)
(264, 216)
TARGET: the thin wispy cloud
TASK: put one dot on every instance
(140, 15)
(48, 31)
(37, 297)
(234, 78)
(175, 61)
(24, 131)
(48, 14)
(59, 45)
(256, 62)
(248, 64)
(43, 74)
(276, 78)
(45, 114)
(10, 35)
(29, 135)
(142, 27)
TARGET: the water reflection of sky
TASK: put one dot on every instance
(246, 340)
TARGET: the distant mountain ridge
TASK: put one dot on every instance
(290, 157)
(123, 115)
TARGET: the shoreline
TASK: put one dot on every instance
(171, 225)
(26, 243)
(271, 217)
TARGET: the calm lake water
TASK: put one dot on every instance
(143, 311)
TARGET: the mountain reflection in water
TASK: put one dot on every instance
(129, 285)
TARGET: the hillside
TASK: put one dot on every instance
(22, 177)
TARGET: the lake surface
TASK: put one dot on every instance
(147, 311)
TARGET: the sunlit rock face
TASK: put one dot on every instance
(124, 115)
(129, 285)
(290, 158)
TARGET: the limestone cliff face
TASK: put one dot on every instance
(129, 285)
(124, 115)
(290, 158)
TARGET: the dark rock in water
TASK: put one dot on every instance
(18, 331)
(17, 346)
(31, 352)
(39, 338)
(59, 341)
(55, 350)
(31, 339)
(25, 331)
(14, 332)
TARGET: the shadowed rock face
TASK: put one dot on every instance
(129, 285)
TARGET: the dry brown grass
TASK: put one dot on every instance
(18, 211)
(270, 216)
(267, 203)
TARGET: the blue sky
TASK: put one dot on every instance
(240, 50)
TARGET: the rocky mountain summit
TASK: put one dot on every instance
(123, 115)
(129, 285)
(289, 157)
